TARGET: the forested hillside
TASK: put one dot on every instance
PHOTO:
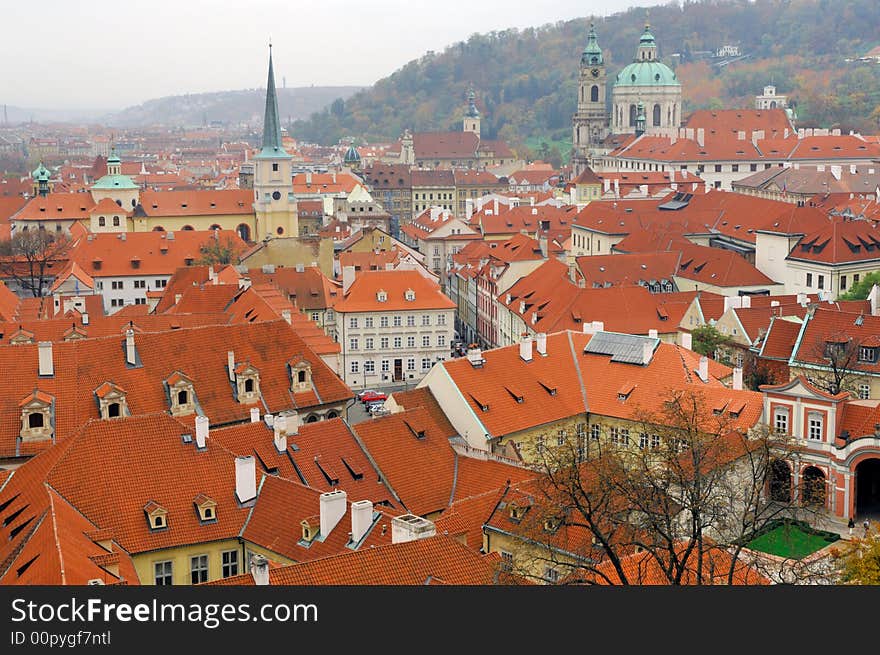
(525, 80)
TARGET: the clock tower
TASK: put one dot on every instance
(274, 203)
(589, 124)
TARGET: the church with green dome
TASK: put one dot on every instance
(650, 82)
(645, 96)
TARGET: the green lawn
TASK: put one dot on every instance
(788, 541)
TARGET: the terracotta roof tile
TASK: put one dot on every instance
(362, 295)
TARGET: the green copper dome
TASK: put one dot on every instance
(472, 105)
(41, 173)
(646, 73)
(352, 156)
(115, 182)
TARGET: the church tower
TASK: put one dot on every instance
(589, 124)
(472, 117)
(274, 203)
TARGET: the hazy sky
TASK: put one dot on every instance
(109, 54)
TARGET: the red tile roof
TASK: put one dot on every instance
(445, 145)
(607, 270)
(56, 206)
(540, 218)
(718, 267)
(781, 336)
(840, 242)
(157, 204)
(826, 324)
(9, 303)
(466, 517)
(362, 295)
(436, 560)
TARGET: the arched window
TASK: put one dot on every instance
(813, 487)
(594, 93)
(633, 114)
(113, 410)
(772, 104)
(656, 115)
(312, 419)
(182, 397)
(215, 227)
(780, 482)
(188, 228)
(115, 221)
(279, 230)
(119, 202)
(244, 231)
(35, 420)
(102, 221)
(301, 377)
(249, 385)
(331, 414)
(158, 228)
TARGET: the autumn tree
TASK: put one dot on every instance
(30, 258)
(706, 339)
(859, 561)
(840, 353)
(215, 251)
(674, 501)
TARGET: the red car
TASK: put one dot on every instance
(370, 396)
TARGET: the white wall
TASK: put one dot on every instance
(128, 293)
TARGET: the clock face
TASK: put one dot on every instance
(595, 72)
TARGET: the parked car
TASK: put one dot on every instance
(376, 408)
(371, 395)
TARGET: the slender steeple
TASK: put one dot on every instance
(592, 54)
(271, 123)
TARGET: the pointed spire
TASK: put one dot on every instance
(271, 124)
(472, 104)
(592, 54)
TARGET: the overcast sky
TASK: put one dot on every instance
(109, 54)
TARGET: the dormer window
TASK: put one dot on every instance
(21, 337)
(517, 511)
(300, 375)
(157, 516)
(111, 401)
(410, 295)
(310, 529)
(206, 508)
(381, 295)
(552, 524)
(37, 412)
(247, 383)
(868, 354)
(181, 394)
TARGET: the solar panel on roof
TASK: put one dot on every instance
(625, 348)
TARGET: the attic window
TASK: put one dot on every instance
(548, 387)
(206, 508)
(381, 296)
(157, 516)
(552, 524)
(517, 512)
(482, 405)
(309, 531)
(188, 261)
(515, 393)
(737, 408)
(410, 295)
(624, 392)
(135, 262)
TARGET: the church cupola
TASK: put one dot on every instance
(592, 55)
(114, 165)
(41, 176)
(472, 116)
(641, 119)
(647, 46)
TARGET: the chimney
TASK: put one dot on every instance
(652, 333)
(285, 314)
(701, 137)
(361, 519)
(177, 297)
(308, 177)
(774, 303)
(46, 365)
(495, 206)
(409, 527)
(647, 352)
(468, 208)
(746, 302)
(255, 414)
(704, 368)
(541, 343)
(260, 570)
(85, 318)
(598, 326)
(802, 299)
(874, 299)
(244, 283)
(130, 352)
(202, 428)
(280, 429)
(686, 340)
(347, 278)
(525, 347)
(300, 267)
(230, 364)
(212, 276)
(245, 478)
(475, 356)
(332, 510)
(737, 378)
(292, 423)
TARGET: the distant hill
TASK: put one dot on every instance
(526, 80)
(244, 105)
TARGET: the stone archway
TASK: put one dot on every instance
(780, 482)
(813, 487)
(867, 487)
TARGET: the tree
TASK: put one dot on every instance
(840, 352)
(676, 506)
(706, 340)
(859, 561)
(861, 289)
(219, 252)
(30, 258)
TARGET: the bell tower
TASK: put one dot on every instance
(274, 202)
(590, 122)
(472, 116)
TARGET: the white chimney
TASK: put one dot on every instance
(280, 429)
(541, 343)
(495, 206)
(738, 378)
(704, 368)
(177, 297)
(746, 302)
(285, 314)
(652, 333)
(525, 348)
(874, 299)
(647, 352)
(774, 303)
(701, 137)
(347, 278)
(468, 208)
(212, 276)
(230, 364)
(333, 504)
(410, 527)
(130, 352)
(361, 519)
(85, 318)
(475, 357)
(292, 423)
(202, 423)
(260, 570)
(255, 414)
(802, 299)
(598, 326)
(46, 365)
(300, 267)
(686, 340)
(245, 478)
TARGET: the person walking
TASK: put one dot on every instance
(866, 525)
(851, 525)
